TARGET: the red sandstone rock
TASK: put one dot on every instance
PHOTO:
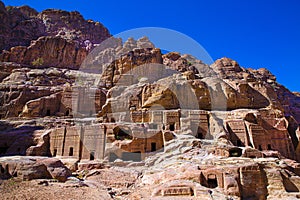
(196, 128)
(50, 50)
(28, 168)
(56, 168)
(23, 24)
(25, 167)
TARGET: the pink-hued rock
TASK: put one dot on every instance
(29, 168)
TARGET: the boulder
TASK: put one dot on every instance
(56, 168)
(29, 168)
(26, 168)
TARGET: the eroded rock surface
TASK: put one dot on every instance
(134, 123)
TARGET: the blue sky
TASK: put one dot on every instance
(256, 33)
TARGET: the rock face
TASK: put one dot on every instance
(43, 145)
(50, 38)
(72, 26)
(182, 127)
(16, 140)
(28, 168)
(120, 70)
(23, 24)
(47, 51)
(57, 169)
(20, 26)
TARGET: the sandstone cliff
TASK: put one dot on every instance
(122, 115)
(54, 37)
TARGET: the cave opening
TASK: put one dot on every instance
(71, 151)
(236, 152)
(92, 155)
(212, 182)
(269, 147)
(172, 127)
(122, 134)
(153, 146)
(54, 152)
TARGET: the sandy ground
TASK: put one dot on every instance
(41, 189)
(101, 185)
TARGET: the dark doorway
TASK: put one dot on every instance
(92, 156)
(212, 182)
(153, 146)
(236, 152)
(71, 151)
(54, 152)
(269, 147)
(259, 147)
(172, 127)
(48, 113)
(200, 135)
(67, 112)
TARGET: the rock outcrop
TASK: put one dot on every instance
(142, 124)
(50, 51)
(42, 147)
(29, 168)
(50, 38)
(23, 24)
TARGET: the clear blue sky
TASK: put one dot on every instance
(256, 33)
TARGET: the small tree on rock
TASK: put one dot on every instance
(38, 62)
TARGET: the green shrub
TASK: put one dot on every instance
(38, 62)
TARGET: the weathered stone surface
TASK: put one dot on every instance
(56, 168)
(7, 69)
(131, 65)
(227, 68)
(42, 147)
(16, 140)
(13, 98)
(29, 168)
(5, 28)
(43, 92)
(53, 37)
(21, 25)
(142, 124)
(50, 51)
(72, 26)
